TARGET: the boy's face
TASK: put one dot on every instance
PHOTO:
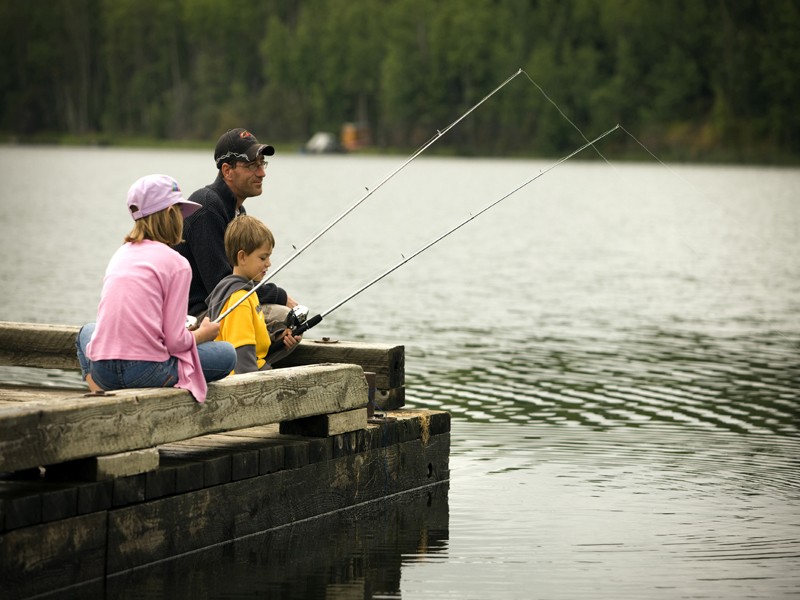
(254, 265)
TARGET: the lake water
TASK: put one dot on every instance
(618, 345)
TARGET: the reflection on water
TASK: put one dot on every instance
(619, 348)
(659, 511)
(355, 553)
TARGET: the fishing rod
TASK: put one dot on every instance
(428, 144)
(306, 324)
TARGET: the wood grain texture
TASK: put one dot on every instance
(38, 345)
(144, 533)
(57, 427)
(38, 560)
(386, 361)
(96, 468)
(327, 425)
(53, 347)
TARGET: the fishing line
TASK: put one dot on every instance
(439, 133)
(309, 323)
(561, 112)
(633, 137)
(662, 163)
(669, 169)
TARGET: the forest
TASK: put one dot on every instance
(695, 80)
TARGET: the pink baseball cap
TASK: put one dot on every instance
(153, 193)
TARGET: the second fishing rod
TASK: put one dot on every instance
(303, 323)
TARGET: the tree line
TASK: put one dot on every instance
(695, 79)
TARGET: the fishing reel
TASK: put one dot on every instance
(191, 322)
(296, 317)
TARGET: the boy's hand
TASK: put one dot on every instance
(289, 340)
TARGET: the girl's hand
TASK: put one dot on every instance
(206, 331)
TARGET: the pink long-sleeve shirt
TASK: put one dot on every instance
(142, 312)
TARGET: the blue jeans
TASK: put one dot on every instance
(217, 360)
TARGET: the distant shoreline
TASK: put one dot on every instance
(767, 157)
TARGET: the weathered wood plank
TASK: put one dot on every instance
(69, 426)
(367, 546)
(188, 473)
(390, 399)
(386, 361)
(145, 522)
(20, 504)
(53, 347)
(212, 460)
(14, 395)
(243, 457)
(38, 345)
(59, 501)
(327, 425)
(152, 531)
(216, 466)
(37, 560)
(95, 496)
(381, 534)
(96, 468)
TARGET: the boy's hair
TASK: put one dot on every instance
(164, 226)
(246, 233)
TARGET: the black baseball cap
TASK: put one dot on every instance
(239, 144)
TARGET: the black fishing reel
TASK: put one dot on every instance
(296, 317)
(297, 320)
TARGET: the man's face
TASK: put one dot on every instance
(246, 178)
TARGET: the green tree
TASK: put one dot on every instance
(694, 77)
(143, 62)
(225, 66)
(50, 79)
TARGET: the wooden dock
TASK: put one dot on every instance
(93, 486)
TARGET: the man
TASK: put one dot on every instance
(241, 170)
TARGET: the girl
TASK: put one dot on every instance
(140, 338)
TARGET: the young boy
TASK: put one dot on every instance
(248, 246)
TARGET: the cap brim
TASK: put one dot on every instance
(257, 150)
(188, 208)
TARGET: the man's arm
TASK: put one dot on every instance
(205, 239)
(269, 293)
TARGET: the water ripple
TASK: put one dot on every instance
(722, 385)
(681, 511)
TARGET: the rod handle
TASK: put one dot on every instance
(303, 327)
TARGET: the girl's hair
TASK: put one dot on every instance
(246, 233)
(165, 226)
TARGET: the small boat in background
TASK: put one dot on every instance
(323, 142)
